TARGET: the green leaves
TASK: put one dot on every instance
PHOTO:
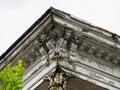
(11, 77)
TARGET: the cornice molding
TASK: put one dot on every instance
(60, 39)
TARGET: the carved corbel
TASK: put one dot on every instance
(26, 63)
(108, 57)
(116, 60)
(51, 44)
(37, 50)
(43, 39)
(28, 59)
(55, 46)
(100, 53)
(91, 50)
(83, 46)
(73, 47)
(68, 38)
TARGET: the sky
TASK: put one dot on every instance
(16, 16)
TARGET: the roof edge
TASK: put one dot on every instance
(25, 33)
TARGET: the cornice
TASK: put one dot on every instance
(59, 38)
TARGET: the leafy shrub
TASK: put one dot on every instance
(11, 77)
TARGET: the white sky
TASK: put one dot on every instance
(16, 16)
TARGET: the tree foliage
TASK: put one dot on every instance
(11, 77)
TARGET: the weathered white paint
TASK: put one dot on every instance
(80, 62)
(94, 81)
(38, 77)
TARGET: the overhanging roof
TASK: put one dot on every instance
(25, 33)
(78, 47)
(56, 11)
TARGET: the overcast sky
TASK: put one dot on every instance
(16, 16)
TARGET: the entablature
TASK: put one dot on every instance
(87, 51)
